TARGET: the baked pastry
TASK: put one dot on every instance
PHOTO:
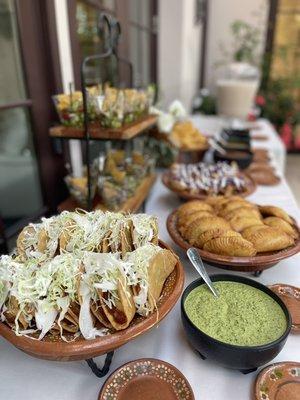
(269, 239)
(243, 211)
(201, 225)
(186, 219)
(213, 234)
(230, 246)
(194, 205)
(280, 223)
(241, 223)
(252, 229)
(273, 211)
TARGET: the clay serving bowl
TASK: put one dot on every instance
(55, 349)
(243, 358)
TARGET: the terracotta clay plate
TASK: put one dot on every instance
(290, 295)
(186, 194)
(279, 381)
(146, 379)
(264, 176)
(245, 264)
(51, 348)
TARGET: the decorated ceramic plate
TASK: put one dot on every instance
(290, 295)
(279, 381)
(146, 379)
(53, 348)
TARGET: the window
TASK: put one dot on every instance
(138, 41)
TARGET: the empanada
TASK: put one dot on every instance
(241, 223)
(276, 222)
(244, 211)
(194, 205)
(185, 220)
(204, 224)
(270, 239)
(212, 234)
(251, 229)
(273, 211)
(232, 205)
(230, 246)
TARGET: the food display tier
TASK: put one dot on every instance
(132, 204)
(126, 132)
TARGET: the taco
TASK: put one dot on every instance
(151, 266)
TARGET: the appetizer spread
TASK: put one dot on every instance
(233, 226)
(242, 315)
(206, 179)
(83, 274)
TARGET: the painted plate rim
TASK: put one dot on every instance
(176, 371)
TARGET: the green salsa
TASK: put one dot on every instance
(242, 315)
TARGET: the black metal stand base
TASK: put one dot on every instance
(101, 372)
(257, 273)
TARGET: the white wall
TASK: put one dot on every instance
(221, 14)
(178, 51)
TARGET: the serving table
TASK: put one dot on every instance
(211, 125)
(33, 379)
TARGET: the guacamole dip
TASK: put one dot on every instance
(242, 315)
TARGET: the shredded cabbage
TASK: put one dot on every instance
(144, 227)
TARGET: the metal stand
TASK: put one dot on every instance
(101, 372)
(257, 273)
(114, 31)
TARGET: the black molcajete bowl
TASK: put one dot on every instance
(243, 358)
(243, 161)
(235, 138)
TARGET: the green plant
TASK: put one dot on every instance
(246, 41)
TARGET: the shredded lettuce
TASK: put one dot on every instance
(85, 318)
(144, 228)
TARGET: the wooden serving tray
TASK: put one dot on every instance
(126, 132)
(55, 349)
(131, 205)
(259, 262)
(187, 195)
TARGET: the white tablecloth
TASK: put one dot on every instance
(26, 378)
(211, 125)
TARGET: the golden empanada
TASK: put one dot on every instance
(244, 211)
(212, 234)
(276, 222)
(230, 246)
(241, 223)
(232, 205)
(272, 211)
(270, 239)
(251, 229)
(185, 219)
(194, 205)
(204, 224)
